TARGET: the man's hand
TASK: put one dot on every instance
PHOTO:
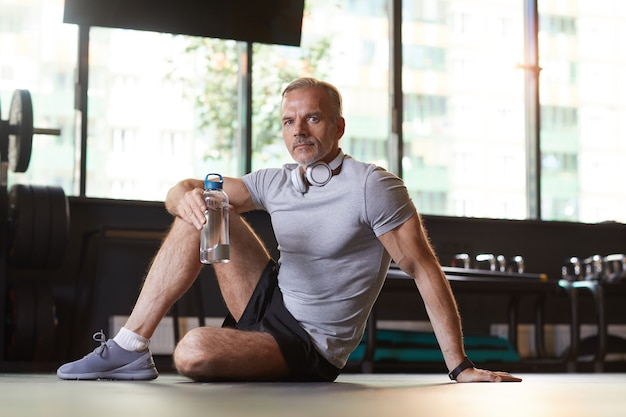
(185, 200)
(482, 375)
(191, 208)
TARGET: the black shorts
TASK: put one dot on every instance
(266, 312)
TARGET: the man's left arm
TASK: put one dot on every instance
(409, 247)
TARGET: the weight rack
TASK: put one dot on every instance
(16, 135)
(4, 211)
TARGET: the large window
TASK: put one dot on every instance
(163, 107)
(155, 117)
(583, 108)
(463, 121)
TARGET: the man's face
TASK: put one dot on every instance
(309, 131)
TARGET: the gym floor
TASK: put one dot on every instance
(385, 395)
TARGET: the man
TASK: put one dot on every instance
(338, 223)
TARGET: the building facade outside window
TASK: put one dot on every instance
(583, 100)
(464, 107)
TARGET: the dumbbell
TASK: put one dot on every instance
(463, 258)
(594, 268)
(572, 270)
(615, 267)
(486, 257)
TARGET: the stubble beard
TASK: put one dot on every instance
(298, 153)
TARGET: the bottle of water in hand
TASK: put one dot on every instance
(214, 238)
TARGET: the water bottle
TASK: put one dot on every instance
(214, 239)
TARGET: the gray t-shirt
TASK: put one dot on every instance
(332, 266)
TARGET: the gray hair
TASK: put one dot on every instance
(331, 90)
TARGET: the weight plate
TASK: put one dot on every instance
(38, 226)
(20, 321)
(20, 225)
(45, 322)
(59, 226)
(21, 131)
(41, 221)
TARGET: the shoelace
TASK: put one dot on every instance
(100, 337)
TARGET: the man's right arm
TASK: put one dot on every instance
(185, 200)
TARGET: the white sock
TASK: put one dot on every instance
(130, 340)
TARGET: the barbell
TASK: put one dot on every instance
(18, 131)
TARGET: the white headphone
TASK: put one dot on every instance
(317, 174)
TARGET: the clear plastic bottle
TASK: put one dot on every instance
(214, 237)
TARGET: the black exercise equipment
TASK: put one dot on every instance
(34, 231)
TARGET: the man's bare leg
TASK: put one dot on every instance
(173, 271)
(248, 258)
(204, 353)
(177, 264)
(207, 353)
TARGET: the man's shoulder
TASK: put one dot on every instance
(356, 164)
(266, 177)
(368, 169)
(269, 171)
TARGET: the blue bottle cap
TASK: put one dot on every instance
(213, 185)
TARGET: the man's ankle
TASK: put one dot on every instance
(129, 340)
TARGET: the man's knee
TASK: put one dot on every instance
(206, 353)
(192, 355)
